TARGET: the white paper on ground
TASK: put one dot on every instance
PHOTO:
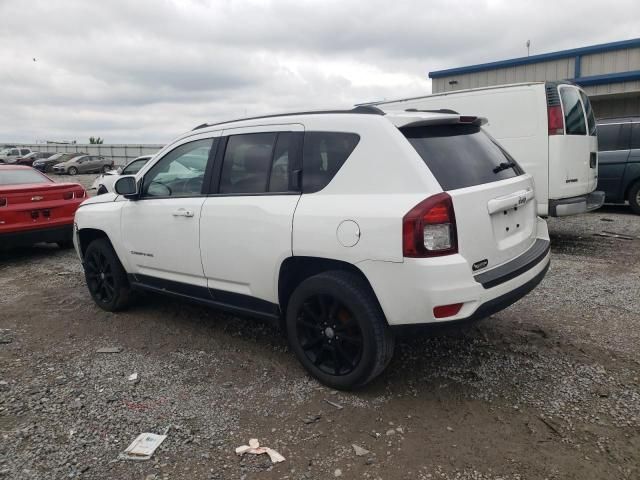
(255, 448)
(143, 446)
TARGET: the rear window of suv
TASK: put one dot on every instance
(461, 156)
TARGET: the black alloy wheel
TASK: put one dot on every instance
(337, 330)
(329, 335)
(106, 278)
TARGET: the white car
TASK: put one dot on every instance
(341, 225)
(104, 183)
(11, 155)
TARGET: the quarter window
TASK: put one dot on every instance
(180, 173)
(573, 112)
(323, 155)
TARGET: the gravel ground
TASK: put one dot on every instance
(548, 388)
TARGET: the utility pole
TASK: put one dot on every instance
(528, 45)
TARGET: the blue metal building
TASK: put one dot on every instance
(609, 73)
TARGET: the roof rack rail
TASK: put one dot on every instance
(361, 109)
(441, 110)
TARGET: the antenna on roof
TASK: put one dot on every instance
(528, 45)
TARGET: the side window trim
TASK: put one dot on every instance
(212, 151)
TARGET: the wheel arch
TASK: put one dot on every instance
(88, 235)
(632, 183)
(294, 270)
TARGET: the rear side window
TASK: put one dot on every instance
(247, 163)
(323, 155)
(461, 156)
(635, 135)
(573, 113)
(613, 137)
(591, 119)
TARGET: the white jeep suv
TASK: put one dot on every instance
(339, 224)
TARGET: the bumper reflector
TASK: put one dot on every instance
(443, 311)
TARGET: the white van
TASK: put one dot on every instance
(548, 127)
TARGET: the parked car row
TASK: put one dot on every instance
(104, 183)
(59, 163)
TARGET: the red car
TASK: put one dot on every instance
(33, 208)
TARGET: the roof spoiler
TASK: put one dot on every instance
(408, 122)
(441, 110)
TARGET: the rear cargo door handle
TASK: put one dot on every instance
(513, 200)
(182, 212)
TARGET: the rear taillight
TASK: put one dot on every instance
(429, 229)
(79, 194)
(556, 120)
(3, 202)
(67, 195)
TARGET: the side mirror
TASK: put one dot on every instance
(127, 187)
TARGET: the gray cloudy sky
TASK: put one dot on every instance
(147, 70)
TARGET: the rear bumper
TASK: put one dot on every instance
(29, 237)
(409, 291)
(576, 205)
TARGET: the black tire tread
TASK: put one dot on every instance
(383, 337)
(633, 192)
(124, 296)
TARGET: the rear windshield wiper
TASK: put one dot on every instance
(503, 166)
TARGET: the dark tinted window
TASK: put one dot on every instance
(573, 113)
(323, 155)
(24, 151)
(461, 155)
(247, 163)
(613, 137)
(635, 135)
(591, 119)
(180, 173)
(279, 177)
(17, 177)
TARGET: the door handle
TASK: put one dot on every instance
(182, 212)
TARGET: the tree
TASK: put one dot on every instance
(96, 141)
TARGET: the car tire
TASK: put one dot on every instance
(72, 171)
(337, 330)
(634, 198)
(106, 278)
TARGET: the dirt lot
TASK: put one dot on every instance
(548, 388)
